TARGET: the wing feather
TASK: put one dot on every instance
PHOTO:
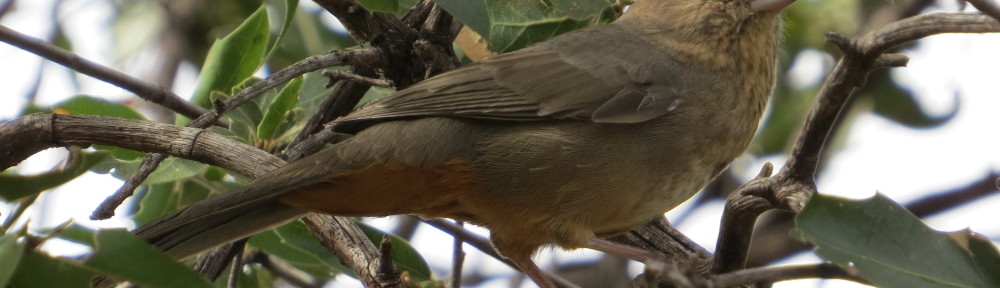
(571, 76)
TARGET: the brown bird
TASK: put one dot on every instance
(583, 136)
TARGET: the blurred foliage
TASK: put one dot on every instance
(233, 40)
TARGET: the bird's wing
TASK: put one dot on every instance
(581, 75)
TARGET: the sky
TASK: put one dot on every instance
(876, 154)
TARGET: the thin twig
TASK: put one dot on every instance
(340, 102)
(265, 261)
(149, 91)
(458, 258)
(336, 76)
(781, 273)
(485, 246)
(236, 269)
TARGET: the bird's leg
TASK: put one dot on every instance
(529, 268)
(624, 251)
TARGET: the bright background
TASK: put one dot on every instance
(876, 154)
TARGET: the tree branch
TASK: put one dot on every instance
(781, 273)
(32, 133)
(149, 91)
(345, 239)
(792, 187)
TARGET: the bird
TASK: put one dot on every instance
(583, 136)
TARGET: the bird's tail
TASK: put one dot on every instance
(223, 218)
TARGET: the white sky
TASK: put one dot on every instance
(877, 154)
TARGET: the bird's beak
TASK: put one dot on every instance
(769, 5)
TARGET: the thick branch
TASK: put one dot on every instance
(363, 25)
(32, 133)
(341, 236)
(149, 91)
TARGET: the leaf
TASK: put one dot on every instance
(18, 186)
(123, 256)
(289, 8)
(893, 102)
(40, 270)
(508, 25)
(472, 13)
(294, 243)
(311, 37)
(388, 6)
(10, 254)
(76, 233)
(516, 24)
(89, 105)
(171, 169)
(884, 243)
(286, 100)
(233, 58)
(157, 200)
(313, 92)
(256, 277)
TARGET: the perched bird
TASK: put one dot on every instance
(582, 136)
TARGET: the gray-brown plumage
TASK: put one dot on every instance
(585, 135)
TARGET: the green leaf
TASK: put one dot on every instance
(289, 13)
(40, 270)
(157, 200)
(891, 101)
(311, 37)
(313, 92)
(294, 243)
(171, 169)
(516, 24)
(89, 105)
(10, 254)
(388, 6)
(884, 243)
(123, 256)
(233, 58)
(286, 100)
(77, 233)
(472, 13)
(18, 186)
(255, 276)
(403, 254)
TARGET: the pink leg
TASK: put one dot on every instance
(529, 268)
(625, 251)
